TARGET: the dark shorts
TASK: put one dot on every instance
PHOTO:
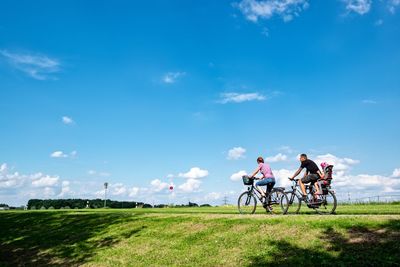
(311, 178)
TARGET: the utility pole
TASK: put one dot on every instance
(348, 194)
(105, 194)
(225, 201)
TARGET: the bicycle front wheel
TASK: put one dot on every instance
(294, 203)
(328, 205)
(280, 199)
(247, 203)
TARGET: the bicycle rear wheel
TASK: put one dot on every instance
(279, 198)
(328, 205)
(247, 203)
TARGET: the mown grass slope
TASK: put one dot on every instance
(200, 237)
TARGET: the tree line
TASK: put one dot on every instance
(35, 204)
(81, 204)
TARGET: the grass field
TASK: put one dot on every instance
(359, 235)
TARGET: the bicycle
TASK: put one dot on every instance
(325, 204)
(247, 202)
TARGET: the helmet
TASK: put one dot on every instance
(324, 165)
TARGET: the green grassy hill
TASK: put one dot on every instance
(358, 236)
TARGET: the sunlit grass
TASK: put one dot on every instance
(204, 236)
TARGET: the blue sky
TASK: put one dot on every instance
(145, 94)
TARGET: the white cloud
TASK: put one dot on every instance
(239, 98)
(61, 154)
(378, 22)
(213, 196)
(10, 180)
(286, 149)
(191, 185)
(237, 176)
(393, 4)
(67, 120)
(369, 101)
(158, 185)
(194, 173)
(358, 6)
(342, 165)
(134, 191)
(65, 189)
(278, 157)
(236, 153)
(118, 189)
(396, 173)
(39, 67)
(172, 77)
(40, 180)
(255, 10)
(58, 154)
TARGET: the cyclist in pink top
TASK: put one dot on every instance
(267, 178)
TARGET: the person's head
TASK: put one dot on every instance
(303, 157)
(260, 160)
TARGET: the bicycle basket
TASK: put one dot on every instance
(247, 180)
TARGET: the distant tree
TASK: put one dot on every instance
(205, 205)
(193, 204)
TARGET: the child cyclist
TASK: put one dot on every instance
(267, 178)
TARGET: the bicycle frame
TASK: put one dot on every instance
(296, 192)
(254, 190)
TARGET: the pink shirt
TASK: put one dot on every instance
(265, 170)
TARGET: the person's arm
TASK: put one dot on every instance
(321, 175)
(306, 173)
(255, 171)
(297, 173)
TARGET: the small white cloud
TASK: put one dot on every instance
(58, 154)
(369, 101)
(238, 175)
(396, 173)
(91, 172)
(194, 173)
(378, 22)
(236, 153)
(172, 77)
(239, 98)
(67, 120)
(255, 10)
(286, 149)
(39, 67)
(278, 157)
(61, 154)
(358, 6)
(191, 185)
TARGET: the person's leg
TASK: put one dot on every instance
(259, 185)
(302, 187)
